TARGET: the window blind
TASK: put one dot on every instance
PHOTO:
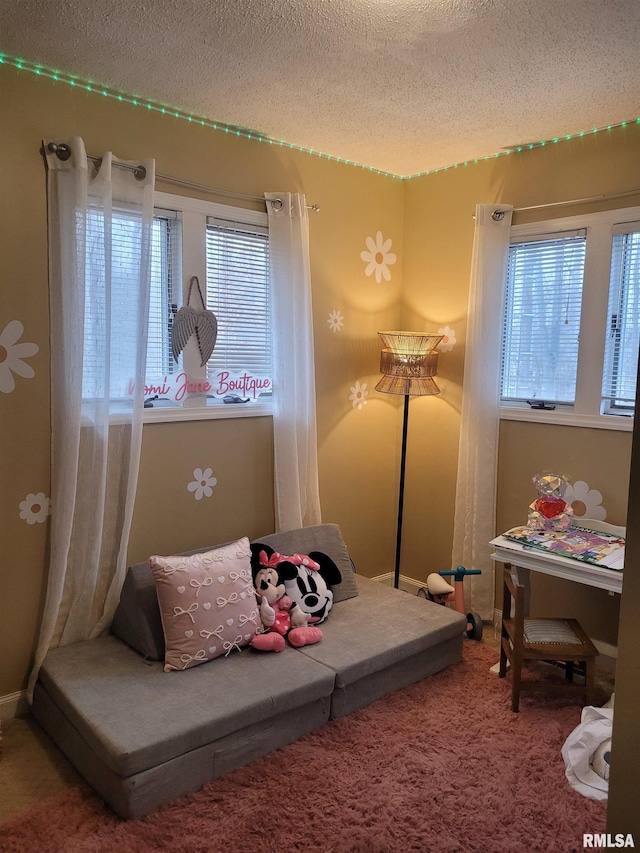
(112, 249)
(238, 293)
(542, 319)
(165, 297)
(623, 333)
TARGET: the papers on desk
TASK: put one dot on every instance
(577, 543)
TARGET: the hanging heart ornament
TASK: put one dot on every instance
(189, 320)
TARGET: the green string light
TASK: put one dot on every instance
(74, 81)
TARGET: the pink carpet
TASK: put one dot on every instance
(439, 767)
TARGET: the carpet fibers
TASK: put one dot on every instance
(443, 766)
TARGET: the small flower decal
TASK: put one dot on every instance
(11, 355)
(202, 484)
(358, 395)
(335, 321)
(448, 341)
(585, 502)
(34, 509)
(378, 258)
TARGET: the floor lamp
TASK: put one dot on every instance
(408, 363)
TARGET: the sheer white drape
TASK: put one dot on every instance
(475, 506)
(100, 226)
(297, 499)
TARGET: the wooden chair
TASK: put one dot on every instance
(525, 639)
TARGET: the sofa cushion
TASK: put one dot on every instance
(207, 603)
(137, 617)
(381, 629)
(134, 716)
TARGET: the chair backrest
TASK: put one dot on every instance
(603, 527)
(513, 601)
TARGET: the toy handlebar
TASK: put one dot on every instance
(460, 572)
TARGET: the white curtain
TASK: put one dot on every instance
(100, 231)
(297, 499)
(475, 505)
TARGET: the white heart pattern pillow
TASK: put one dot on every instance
(207, 604)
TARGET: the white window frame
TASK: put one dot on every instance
(586, 411)
(194, 214)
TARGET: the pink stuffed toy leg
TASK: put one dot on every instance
(299, 637)
(269, 642)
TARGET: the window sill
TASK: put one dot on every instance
(618, 423)
(174, 414)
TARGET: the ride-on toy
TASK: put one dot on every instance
(440, 591)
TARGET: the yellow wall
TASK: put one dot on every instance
(438, 239)
(357, 458)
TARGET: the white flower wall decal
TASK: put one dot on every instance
(378, 257)
(34, 509)
(585, 502)
(335, 321)
(202, 484)
(12, 354)
(358, 395)
(449, 339)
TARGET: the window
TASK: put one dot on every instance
(571, 327)
(542, 319)
(621, 355)
(238, 294)
(227, 248)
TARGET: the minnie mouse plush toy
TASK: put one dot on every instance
(280, 616)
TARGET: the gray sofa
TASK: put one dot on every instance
(141, 736)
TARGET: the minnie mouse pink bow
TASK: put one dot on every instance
(296, 559)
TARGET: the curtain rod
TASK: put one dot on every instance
(63, 152)
(499, 214)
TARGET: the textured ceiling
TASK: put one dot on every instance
(404, 86)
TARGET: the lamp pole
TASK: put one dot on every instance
(403, 459)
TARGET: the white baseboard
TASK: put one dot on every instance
(407, 584)
(14, 705)
(606, 649)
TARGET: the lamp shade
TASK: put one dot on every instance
(408, 363)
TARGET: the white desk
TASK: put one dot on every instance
(508, 551)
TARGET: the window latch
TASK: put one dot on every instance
(540, 404)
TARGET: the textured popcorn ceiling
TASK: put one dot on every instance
(400, 85)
